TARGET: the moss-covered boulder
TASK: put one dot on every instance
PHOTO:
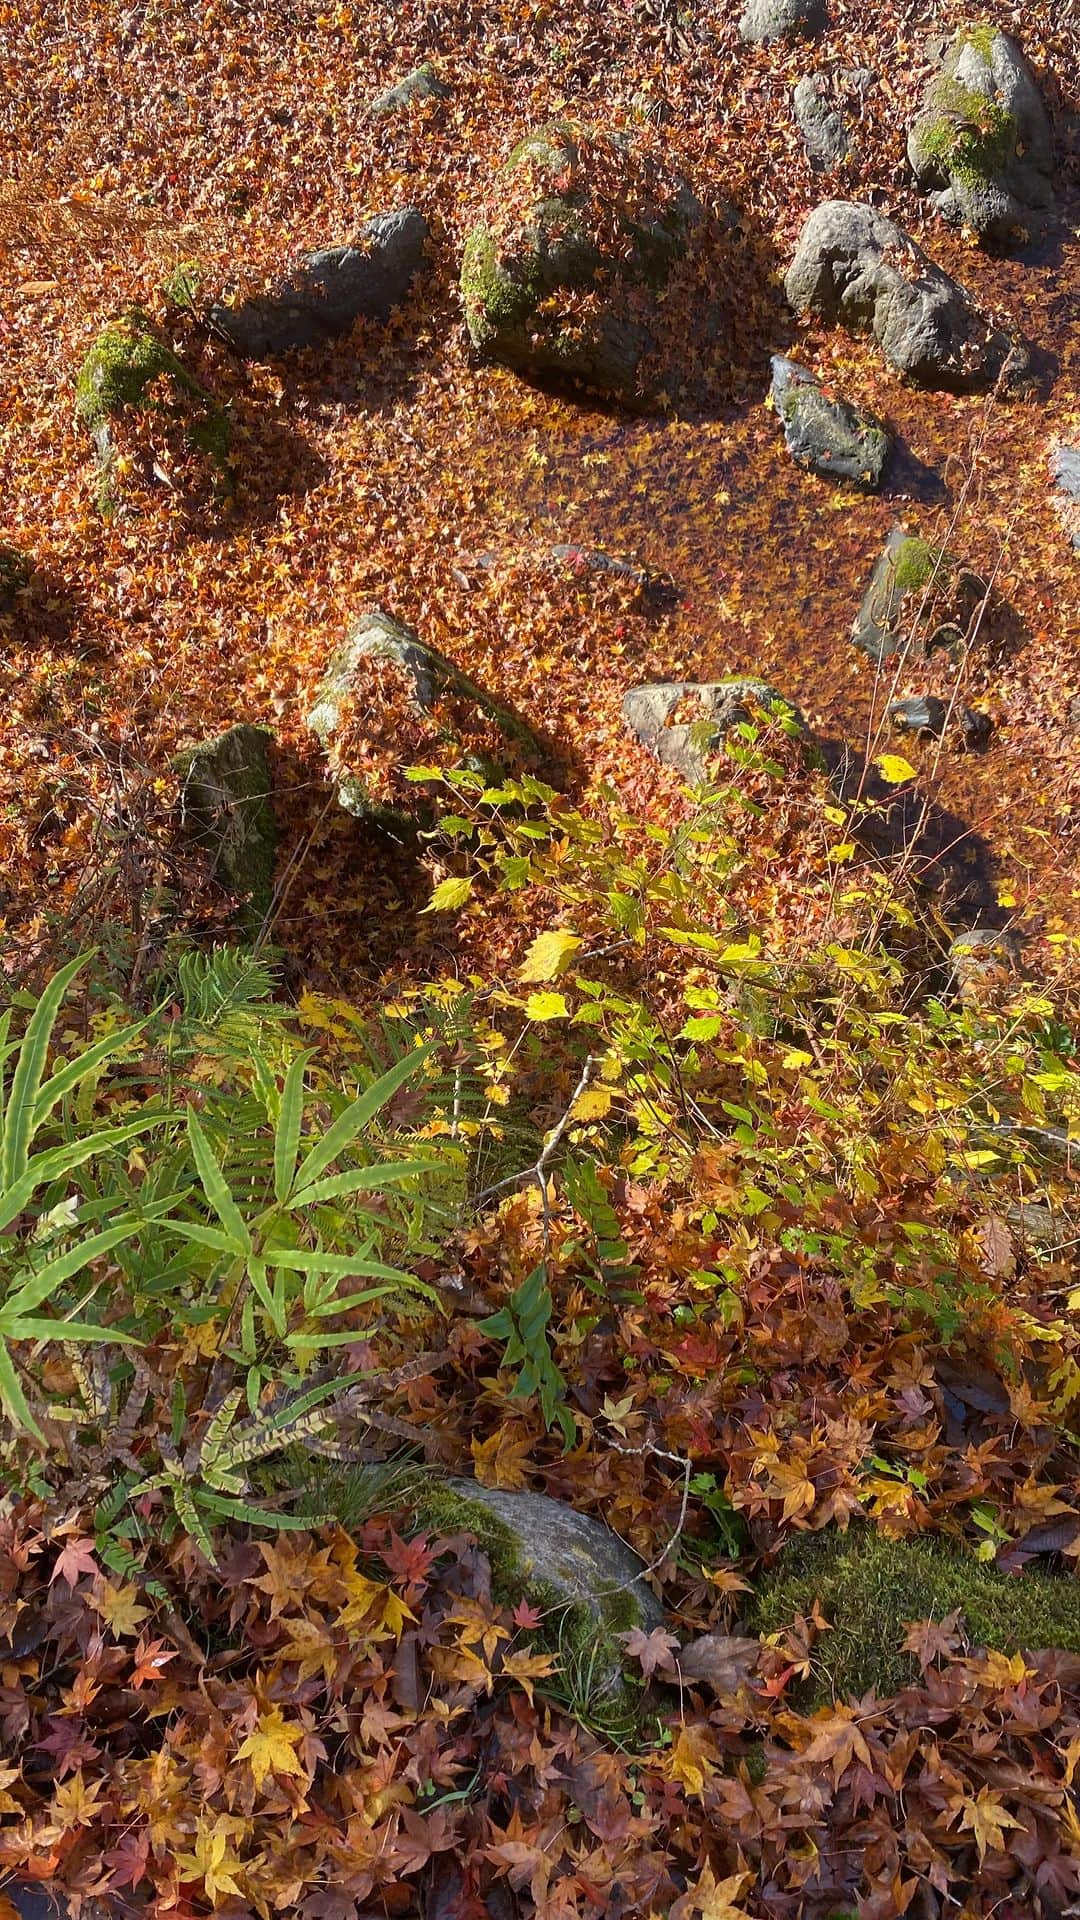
(15, 573)
(562, 276)
(422, 84)
(131, 371)
(389, 702)
(919, 600)
(227, 807)
(829, 436)
(870, 1589)
(586, 1584)
(683, 722)
(330, 290)
(855, 268)
(982, 144)
(984, 958)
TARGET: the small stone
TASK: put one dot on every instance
(682, 722)
(919, 713)
(982, 958)
(423, 83)
(830, 437)
(1065, 473)
(330, 290)
(227, 805)
(766, 20)
(823, 130)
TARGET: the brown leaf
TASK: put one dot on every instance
(721, 1661)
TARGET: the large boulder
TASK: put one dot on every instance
(765, 20)
(919, 599)
(824, 130)
(1065, 473)
(389, 702)
(227, 809)
(982, 143)
(830, 437)
(682, 722)
(587, 1585)
(855, 267)
(330, 290)
(562, 276)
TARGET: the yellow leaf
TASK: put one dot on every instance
(395, 1613)
(691, 1761)
(894, 768)
(549, 955)
(987, 1819)
(271, 1748)
(715, 1899)
(449, 895)
(546, 1006)
(118, 1607)
(593, 1104)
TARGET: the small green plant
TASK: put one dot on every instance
(522, 1324)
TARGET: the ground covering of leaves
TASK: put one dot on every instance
(391, 467)
(353, 1726)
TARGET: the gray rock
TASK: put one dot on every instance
(982, 144)
(918, 599)
(587, 1585)
(830, 437)
(682, 722)
(824, 132)
(854, 267)
(766, 20)
(227, 808)
(982, 956)
(521, 281)
(1040, 1227)
(593, 560)
(918, 713)
(1065, 473)
(331, 290)
(422, 83)
(429, 676)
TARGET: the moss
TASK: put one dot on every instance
(495, 298)
(973, 137)
(870, 1587)
(124, 365)
(914, 564)
(228, 807)
(981, 36)
(592, 1682)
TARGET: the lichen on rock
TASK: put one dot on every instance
(918, 599)
(981, 143)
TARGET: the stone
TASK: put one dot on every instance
(422, 83)
(830, 437)
(227, 808)
(469, 727)
(824, 131)
(126, 372)
(765, 20)
(587, 1585)
(856, 268)
(593, 560)
(919, 713)
(982, 145)
(1065, 474)
(981, 957)
(918, 599)
(682, 722)
(556, 230)
(330, 290)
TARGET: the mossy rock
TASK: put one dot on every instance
(585, 1582)
(982, 142)
(682, 722)
(131, 370)
(830, 437)
(226, 797)
(576, 213)
(869, 1588)
(15, 573)
(423, 83)
(918, 598)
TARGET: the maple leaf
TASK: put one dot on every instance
(722, 1660)
(150, 1657)
(212, 1860)
(653, 1650)
(271, 1746)
(498, 1461)
(525, 1615)
(74, 1804)
(837, 1738)
(693, 1759)
(986, 1818)
(712, 1899)
(118, 1607)
(525, 1667)
(75, 1558)
(931, 1640)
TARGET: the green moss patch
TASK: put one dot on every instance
(130, 370)
(972, 136)
(915, 563)
(870, 1588)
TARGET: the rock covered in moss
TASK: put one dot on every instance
(15, 573)
(869, 1589)
(824, 130)
(765, 20)
(1065, 474)
(562, 277)
(918, 599)
(389, 701)
(982, 143)
(682, 722)
(855, 267)
(830, 437)
(331, 290)
(131, 370)
(588, 1586)
(423, 83)
(227, 806)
